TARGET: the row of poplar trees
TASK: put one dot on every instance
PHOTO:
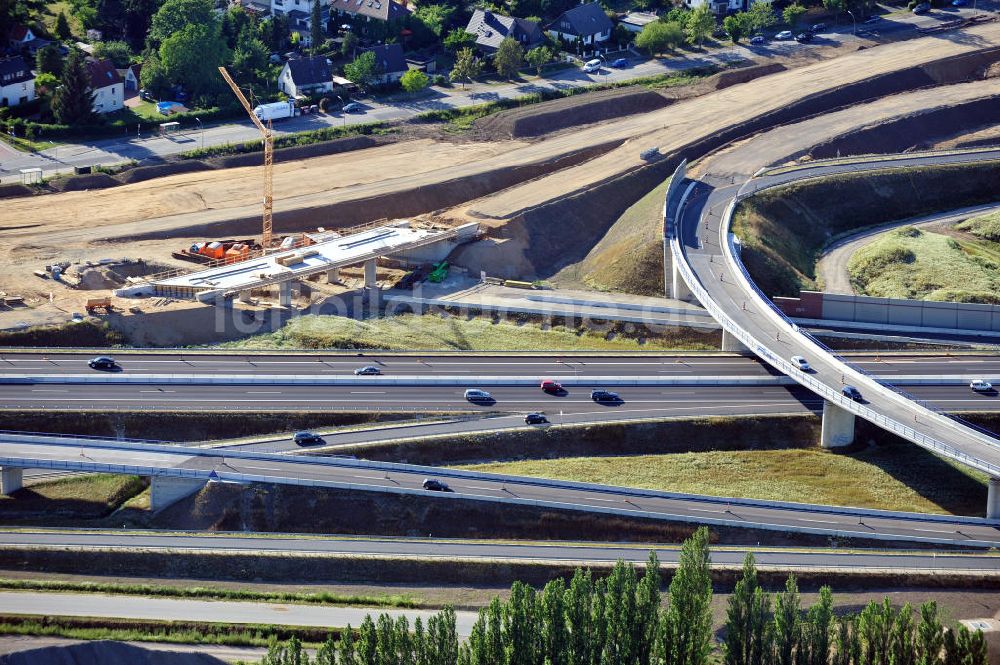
(622, 620)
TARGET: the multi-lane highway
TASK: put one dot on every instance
(24, 451)
(484, 550)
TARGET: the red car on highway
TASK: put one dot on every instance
(550, 386)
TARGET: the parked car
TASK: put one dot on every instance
(784, 34)
(604, 396)
(620, 63)
(757, 40)
(818, 27)
(592, 66)
(102, 362)
(476, 395)
(852, 392)
(307, 439)
(981, 386)
(367, 370)
(435, 485)
(804, 37)
(801, 363)
(353, 107)
(535, 419)
(922, 8)
(550, 386)
(145, 95)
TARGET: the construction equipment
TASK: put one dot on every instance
(205, 252)
(268, 137)
(94, 304)
(439, 272)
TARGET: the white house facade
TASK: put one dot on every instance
(17, 83)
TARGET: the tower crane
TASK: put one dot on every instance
(268, 136)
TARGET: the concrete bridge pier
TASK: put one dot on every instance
(11, 479)
(167, 490)
(285, 293)
(245, 295)
(731, 344)
(332, 275)
(838, 426)
(678, 287)
(371, 292)
(993, 499)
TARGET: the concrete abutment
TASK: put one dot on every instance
(993, 499)
(838, 426)
(11, 479)
(731, 344)
(167, 490)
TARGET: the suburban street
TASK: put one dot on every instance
(143, 143)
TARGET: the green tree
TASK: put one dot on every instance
(836, 6)
(466, 68)
(434, 17)
(174, 15)
(659, 36)
(793, 13)
(414, 80)
(153, 77)
(902, 650)
(760, 16)
(48, 60)
(647, 611)
(138, 17)
(930, 635)
(250, 58)
(362, 70)
(552, 613)
(874, 627)
(620, 614)
(520, 634)
(820, 620)
(345, 646)
(786, 623)
(848, 647)
(63, 31)
(348, 45)
(747, 627)
(117, 52)
(690, 614)
(110, 17)
(73, 101)
(459, 38)
(326, 654)
(509, 58)
(192, 56)
(538, 56)
(579, 597)
(737, 26)
(700, 23)
(317, 35)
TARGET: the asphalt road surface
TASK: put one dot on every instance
(515, 364)
(29, 452)
(563, 552)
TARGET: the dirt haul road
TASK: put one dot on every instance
(409, 168)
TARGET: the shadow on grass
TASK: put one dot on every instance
(89, 498)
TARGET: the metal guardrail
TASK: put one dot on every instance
(835, 397)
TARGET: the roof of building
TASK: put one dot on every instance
(102, 73)
(640, 18)
(490, 29)
(310, 71)
(19, 33)
(14, 70)
(390, 58)
(383, 10)
(136, 70)
(583, 20)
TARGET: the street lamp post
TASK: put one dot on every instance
(202, 128)
(855, 21)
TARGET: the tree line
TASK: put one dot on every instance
(623, 619)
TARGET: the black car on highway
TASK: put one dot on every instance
(852, 392)
(435, 485)
(604, 396)
(535, 419)
(307, 439)
(102, 362)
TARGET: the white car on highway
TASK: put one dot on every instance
(801, 363)
(981, 386)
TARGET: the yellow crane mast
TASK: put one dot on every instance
(268, 158)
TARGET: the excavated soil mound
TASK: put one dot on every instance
(916, 130)
(546, 117)
(293, 153)
(78, 183)
(105, 652)
(15, 190)
(736, 76)
(141, 173)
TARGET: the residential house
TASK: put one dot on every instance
(17, 83)
(306, 76)
(22, 38)
(107, 84)
(391, 62)
(490, 29)
(300, 21)
(720, 7)
(636, 21)
(132, 78)
(379, 10)
(587, 23)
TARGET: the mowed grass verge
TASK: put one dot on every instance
(914, 264)
(898, 477)
(433, 332)
(985, 226)
(85, 496)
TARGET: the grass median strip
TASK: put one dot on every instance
(213, 593)
(174, 632)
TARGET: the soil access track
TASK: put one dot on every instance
(705, 253)
(170, 464)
